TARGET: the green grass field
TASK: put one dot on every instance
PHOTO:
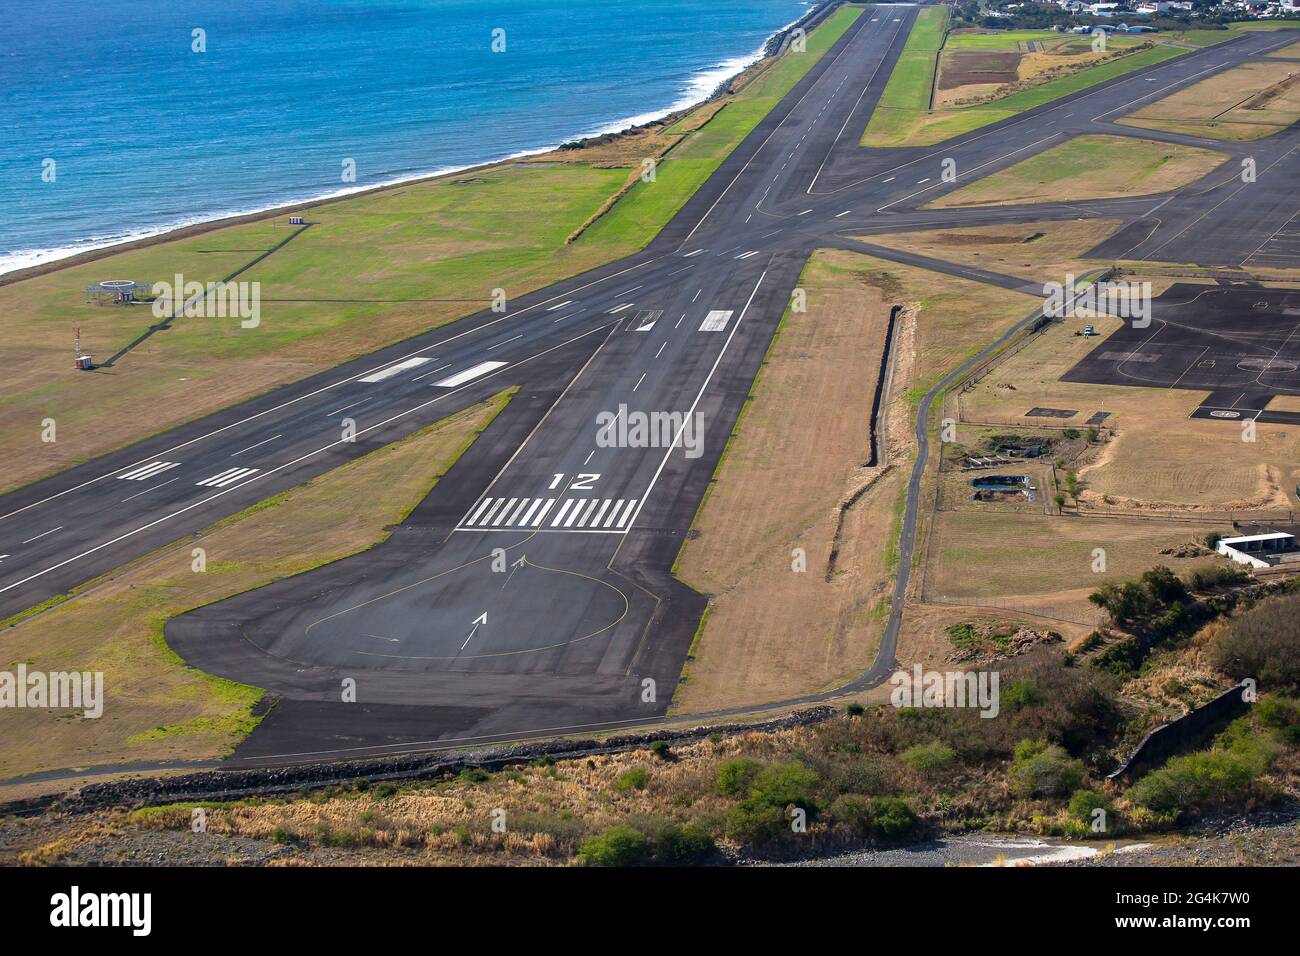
(370, 271)
(903, 118)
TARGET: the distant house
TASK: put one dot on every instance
(1261, 550)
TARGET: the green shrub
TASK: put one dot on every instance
(736, 776)
(1044, 770)
(883, 819)
(756, 825)
(661, 750)
(785, 784)
(1283, 715)
(634, 779)
(618, 846)
(929, 757)
(1084, 802)
(1211, 778)
(682, 846)
(1017, 695)
(854, 709)
(474, 775)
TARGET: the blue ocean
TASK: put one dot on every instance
(122, 118)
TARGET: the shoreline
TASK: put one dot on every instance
(771, 47)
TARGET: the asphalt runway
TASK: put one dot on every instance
(585, 628)
(1239, 344)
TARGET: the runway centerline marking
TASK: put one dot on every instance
(43, 534)
(258, 445)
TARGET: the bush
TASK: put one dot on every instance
(929, 757)
(756, 825)
(1084, 802)
(783, 785)
(1212, 540)
(1217, 576)
(1282, 714)
(1043, 770)
(1260, 643)
(1017, 695)
(1208, 779)
(1121, 658)
(634, 779)
(617, 846)
(854, 709)
(736, 776)
(682, 846)
(883, 819)
(661, 750)
(474, 775)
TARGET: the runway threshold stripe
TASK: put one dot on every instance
(541, 515)
(610, 520)
(604, 506)
(479, 510)
(514, 518)
(559, 515)
(504, 511)
(574, 513)
(496, 504)
(528, 515)
(582, 522)
(627, 513)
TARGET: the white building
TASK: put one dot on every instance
(1261, 550)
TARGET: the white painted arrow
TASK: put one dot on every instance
(481, 619)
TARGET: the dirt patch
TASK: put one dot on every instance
(968, 67)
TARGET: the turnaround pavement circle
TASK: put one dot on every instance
(531, 592)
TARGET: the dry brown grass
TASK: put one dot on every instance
(156, 708)
(1049, 248)
(798, 455)
(1247, 102)
(1159, 459)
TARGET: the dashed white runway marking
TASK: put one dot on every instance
(258, 445)
(227, 477)
(506, 342)
(619, 308)
(560, 305)
(716, 321)
(695, 253)
(43, 534)
(161, 484)
(746, 255)
(148, 471)
(396, 369)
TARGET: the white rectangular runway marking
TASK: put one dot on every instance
(695, 253)
(148, 471)
(227, 477)
(621, 308)
(460, 378)
(504, 511)
(746, 255)
(560, 305)
(506, 342)
(716, 321)
(396, 369)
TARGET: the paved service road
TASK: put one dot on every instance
(531, 592)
